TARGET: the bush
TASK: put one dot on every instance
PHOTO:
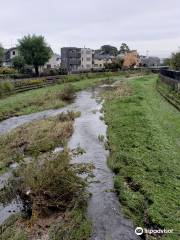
(51, 185)
(6, 70)
(27, 82)
(67, 93)
(6, 87)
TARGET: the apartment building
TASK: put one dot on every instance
(86, 59)
(70, 58)
(76, 59)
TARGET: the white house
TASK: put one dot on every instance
(9, 55)
(54, 62)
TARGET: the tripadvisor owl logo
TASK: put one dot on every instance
(139, 231)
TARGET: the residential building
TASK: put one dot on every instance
(149, 61)
(9, 55)
(86, 59)
(70, 58)
(76, 59)
(54, 62)
(100, 60)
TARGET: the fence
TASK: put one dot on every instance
(171, 78)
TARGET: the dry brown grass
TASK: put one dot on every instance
(119, 90)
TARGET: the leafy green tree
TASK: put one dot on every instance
(175, 61)
(35, 51)
(124, 48)
(1, 54)
(167, 62)
(18, 63)
(108, 49)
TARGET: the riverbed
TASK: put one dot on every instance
(104, 210)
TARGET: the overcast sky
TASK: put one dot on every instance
(152, 25)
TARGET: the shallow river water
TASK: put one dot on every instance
(104, 210)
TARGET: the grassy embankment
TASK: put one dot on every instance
(169, 94)
(53, 194)
(144, 139)
(49, 97)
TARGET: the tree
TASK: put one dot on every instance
(124, 48)
(35, 51)
(18, 63)
(1, 54)
(131, 60)
(175, 61)
(114, 65)
(167, 62)
(108, 49)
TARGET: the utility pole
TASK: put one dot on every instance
(147, 53)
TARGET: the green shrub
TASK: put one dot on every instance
(67, 93)
(6, 87)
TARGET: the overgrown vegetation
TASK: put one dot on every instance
(35, 138)
(7, 70)
(49, 97)
(144, 136)
(54, 198)
(50, 188)
(169, 93)
(6, 87)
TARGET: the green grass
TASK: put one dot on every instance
(144, 138)
(48, 97)
(38, 100)
(78, 227)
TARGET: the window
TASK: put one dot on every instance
(88, 59)
(14, 52)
